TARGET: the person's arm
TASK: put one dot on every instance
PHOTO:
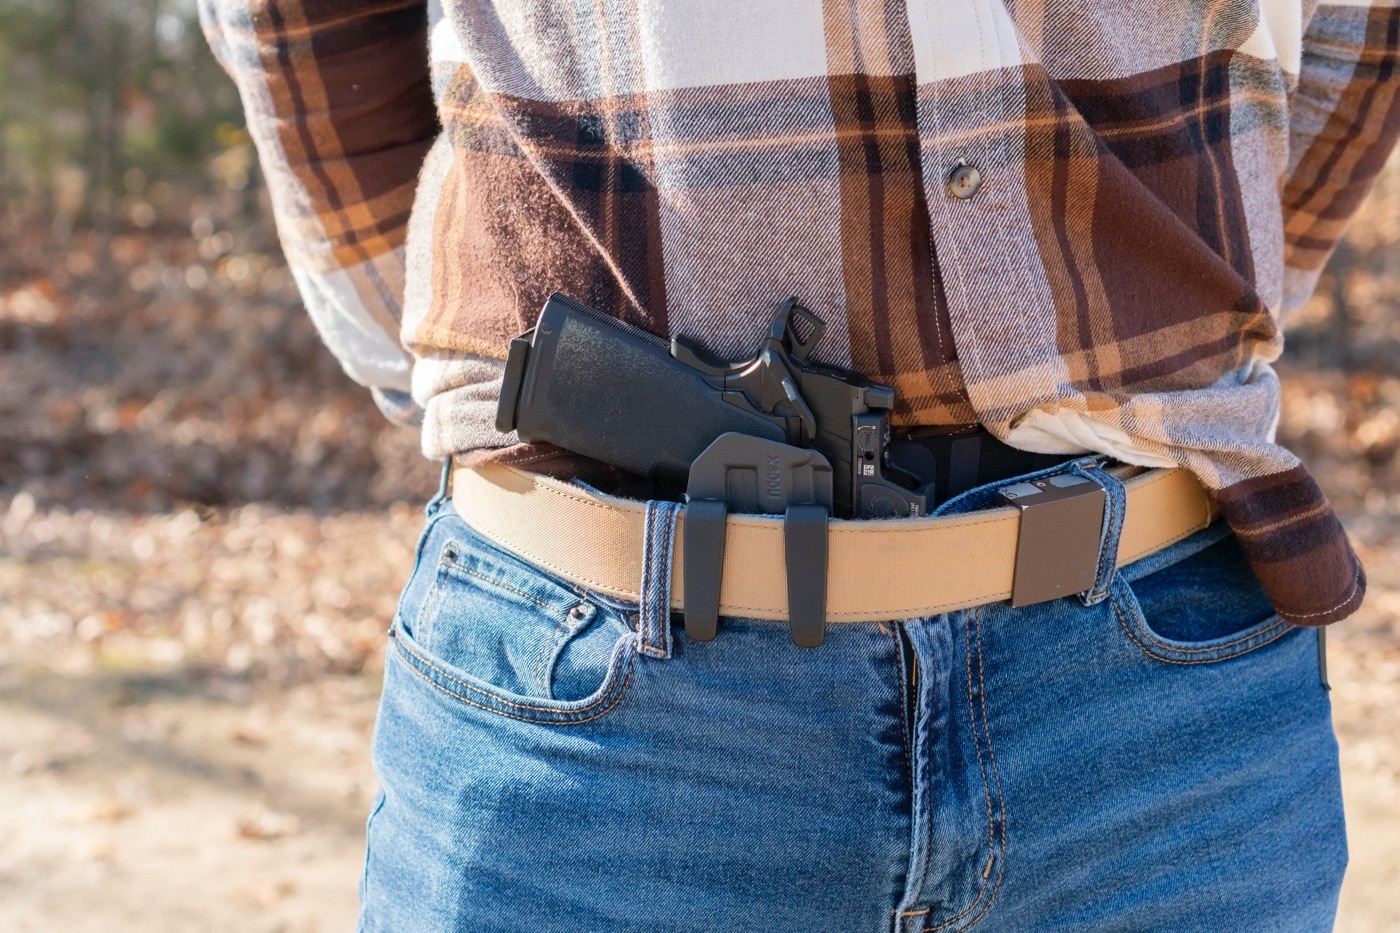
(339, 104)
(1345, 120)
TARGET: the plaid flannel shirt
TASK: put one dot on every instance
(1161, 183)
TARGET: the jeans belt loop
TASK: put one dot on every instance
(1115, 508)
(658, 546)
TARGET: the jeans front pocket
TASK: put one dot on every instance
(1204, 608)
(503, 636)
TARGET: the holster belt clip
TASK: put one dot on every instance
(1057, 551)
(748, 474)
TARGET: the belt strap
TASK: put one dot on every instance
(879, 570)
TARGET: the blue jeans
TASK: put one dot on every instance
(1155, 755)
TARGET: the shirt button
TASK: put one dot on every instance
(963, 181)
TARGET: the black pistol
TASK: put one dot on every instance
(599, 387)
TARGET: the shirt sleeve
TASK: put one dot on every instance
(1345, 118)
(339, 103)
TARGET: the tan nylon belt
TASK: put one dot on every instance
(878, 570)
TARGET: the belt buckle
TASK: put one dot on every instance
(1057, 550)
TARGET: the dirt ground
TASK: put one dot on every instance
(153, 789)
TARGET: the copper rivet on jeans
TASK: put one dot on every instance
(964, 180)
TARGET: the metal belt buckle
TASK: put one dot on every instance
(1057, 552)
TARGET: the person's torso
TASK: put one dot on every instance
(996, 210)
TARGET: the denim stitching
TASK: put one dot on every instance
(904, 701)
(427, 662)
(1167, 646)
(974, 621)
(542, 652)
(658, 568)
(438, 596)
(419, 551)
(646, 598)
(1100, 586)
(1123, 621)
(1113, 528)
(1117, 495)
(653, 630)
(996, 776)
(1105, 526)
(924, 771)
(914, 778)
(1196, 661)
(497, 583)
(541, 721)
(428, 611)
(540, 666)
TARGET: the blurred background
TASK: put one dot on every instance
(204, 524)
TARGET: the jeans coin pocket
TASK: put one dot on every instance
(497, 632)
(1206, 607)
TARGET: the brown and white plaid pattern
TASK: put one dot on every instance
(1162, 183)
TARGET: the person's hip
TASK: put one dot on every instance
(553, 757)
